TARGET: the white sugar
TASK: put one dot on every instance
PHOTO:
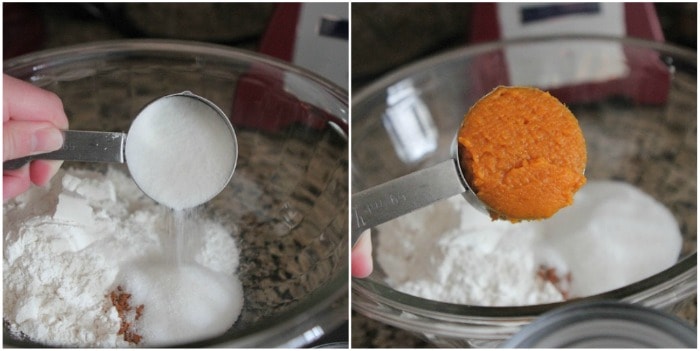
(181, 303)
(180, 151)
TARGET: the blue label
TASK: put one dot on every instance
(543, 12)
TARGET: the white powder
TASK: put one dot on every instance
(612, 235)
(180, 151)
(68, 245)
(183, 304)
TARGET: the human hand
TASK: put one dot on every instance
(32, 119)
(361, 259)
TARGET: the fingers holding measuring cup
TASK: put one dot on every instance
(32, 122)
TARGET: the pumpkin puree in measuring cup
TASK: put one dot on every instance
(522, 152)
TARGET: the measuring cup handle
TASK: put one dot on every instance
(402, 195)
(78, 145)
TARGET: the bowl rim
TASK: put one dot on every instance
(684, 268)
(318, 311)
(368, 294)
(62, 55)
(471, 49)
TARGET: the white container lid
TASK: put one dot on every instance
(605, 324)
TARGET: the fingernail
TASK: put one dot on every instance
(47, 139)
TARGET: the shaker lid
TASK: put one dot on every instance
(605, 324)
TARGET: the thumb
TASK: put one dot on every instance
(361, 257)
(24, 138)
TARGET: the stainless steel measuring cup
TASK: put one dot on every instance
(110, 147)
(410, 192)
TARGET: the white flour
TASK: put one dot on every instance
(66, 247)
(611, 236)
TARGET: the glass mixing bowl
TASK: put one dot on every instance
(636, 104)
(287, 201)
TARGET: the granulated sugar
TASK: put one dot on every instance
(612, 235)
(68, 246)
(180, 151)
(183, 304)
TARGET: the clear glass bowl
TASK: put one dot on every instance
(288, 198)
(636, 103)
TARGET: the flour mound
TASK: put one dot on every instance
(68, 245)
(613, 235)
(452, 253)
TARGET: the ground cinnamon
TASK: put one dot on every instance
(560, 283)
(120, 300)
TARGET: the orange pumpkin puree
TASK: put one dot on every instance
(522, 152)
